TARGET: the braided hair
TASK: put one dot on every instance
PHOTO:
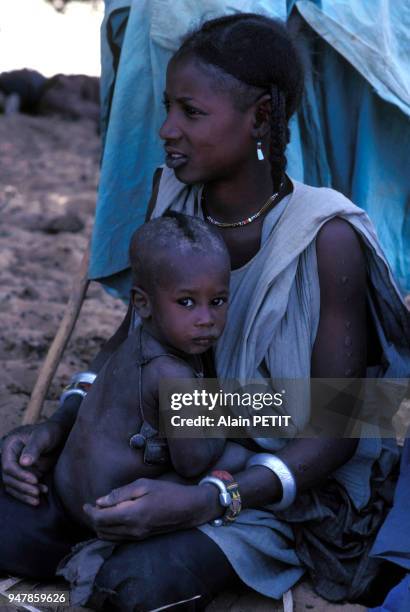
(250, 55)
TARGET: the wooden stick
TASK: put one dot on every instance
(55, 352)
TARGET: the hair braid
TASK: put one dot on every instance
(279, 137)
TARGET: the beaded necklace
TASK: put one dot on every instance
(269, 202)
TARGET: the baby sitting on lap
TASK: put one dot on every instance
(180, 268)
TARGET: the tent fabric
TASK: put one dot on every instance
(373, 35)
(352, 132)
(357, 143)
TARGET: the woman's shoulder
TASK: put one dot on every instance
(341, 273)
(328, 217)
(337, 235)
(339, 252)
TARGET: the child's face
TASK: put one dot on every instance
(206, 137)
(188, 309)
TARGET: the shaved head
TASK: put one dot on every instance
(157, 246)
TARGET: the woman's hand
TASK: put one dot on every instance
(27, 454)
(146, 507)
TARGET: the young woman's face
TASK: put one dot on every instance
(205, 137)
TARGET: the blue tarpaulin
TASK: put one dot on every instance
(352, 132)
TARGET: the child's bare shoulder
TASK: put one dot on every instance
(167, 366)
(160, 369)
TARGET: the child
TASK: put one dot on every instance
(180, 269)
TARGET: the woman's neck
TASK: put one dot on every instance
(232, 199)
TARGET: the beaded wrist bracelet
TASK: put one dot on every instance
(229, 496)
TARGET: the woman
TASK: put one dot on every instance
(300, 307)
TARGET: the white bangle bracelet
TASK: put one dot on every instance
(281, 470)
(87, 377)
(79, 385)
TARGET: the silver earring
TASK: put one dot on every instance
(259, 151)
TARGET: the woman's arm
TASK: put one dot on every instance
(339, 352)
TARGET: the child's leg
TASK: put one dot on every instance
(34, 539)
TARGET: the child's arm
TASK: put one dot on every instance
(233, 460)
(190, 456)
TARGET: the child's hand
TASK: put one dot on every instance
(26, 458)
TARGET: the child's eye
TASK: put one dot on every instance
(191, 111)
(186, 302)
(219, 301)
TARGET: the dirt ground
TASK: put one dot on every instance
(48, 181)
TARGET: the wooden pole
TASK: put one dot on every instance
(55, 352)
